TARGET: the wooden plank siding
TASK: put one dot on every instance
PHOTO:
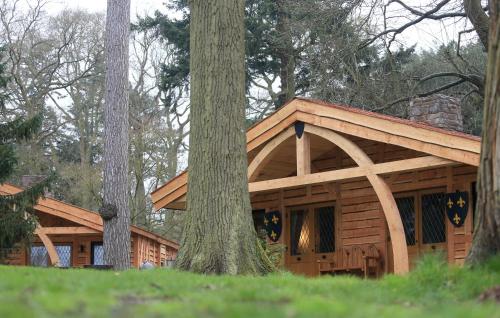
(362, 219)
(143, 249)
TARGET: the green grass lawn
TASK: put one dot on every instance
(432, 290)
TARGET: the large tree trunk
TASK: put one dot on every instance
(285, 54)
(218, 236)
(487, 230)
(478, 18)
(115, 182)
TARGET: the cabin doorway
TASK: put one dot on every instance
(424, 221)
(311, 236)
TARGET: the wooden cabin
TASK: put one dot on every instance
(357, 191)
(70, 236)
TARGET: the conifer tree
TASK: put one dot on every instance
(17, 221)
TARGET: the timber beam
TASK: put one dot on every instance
(350, 173)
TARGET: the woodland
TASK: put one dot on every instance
(338, 51)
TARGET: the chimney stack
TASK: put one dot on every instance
(437, 110)
(29, 180)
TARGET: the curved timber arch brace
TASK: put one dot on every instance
(382, 190)
(264, 156)
(51, 250)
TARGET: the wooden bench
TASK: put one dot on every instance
(365, 259)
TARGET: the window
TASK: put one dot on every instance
(299, 232)
(325, 233)
(406, 207)
(433, 218)
(97, 254)
(39, 255)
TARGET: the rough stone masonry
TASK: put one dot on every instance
(437, 110)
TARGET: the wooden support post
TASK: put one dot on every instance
(384, 194)
(303, 149)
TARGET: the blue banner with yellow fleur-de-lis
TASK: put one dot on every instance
(273, 224)
(457, 205)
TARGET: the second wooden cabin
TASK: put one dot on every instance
(347, 190)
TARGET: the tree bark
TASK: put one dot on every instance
(478, 18)
(139, 214)
(486, 241)
(115, 182)
(218, 236)
(285, 54)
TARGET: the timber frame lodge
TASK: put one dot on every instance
(356, 191)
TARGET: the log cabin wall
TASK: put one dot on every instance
(143, 249)
(359, 216)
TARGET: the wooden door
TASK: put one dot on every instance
(432, 215)
(311, 237)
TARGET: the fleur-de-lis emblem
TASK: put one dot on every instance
(273, 235)
(450, 203)
(461, 202)
(275, 219)
(456, 219)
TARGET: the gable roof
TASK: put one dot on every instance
(79, 215)
(452, 145)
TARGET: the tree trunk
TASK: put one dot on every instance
(486, 241)
(115, 182)
(285, 54)
(478, 18)
(139, 214)
(218, 236)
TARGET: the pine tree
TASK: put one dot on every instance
(17, 220)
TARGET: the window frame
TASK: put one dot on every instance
(417, 194)
(314, 235)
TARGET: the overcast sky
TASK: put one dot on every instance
(137, 6)
(427, 34)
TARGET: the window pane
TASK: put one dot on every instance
(299, 232)
(64, 253)
(39, 256)
(97, 254)
(325, 233)
(433, 218)
(406, 207)
(258, 222)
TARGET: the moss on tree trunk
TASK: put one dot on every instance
(218, 237)
(486, 241)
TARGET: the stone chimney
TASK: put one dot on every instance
(437, 110)
(28, 180)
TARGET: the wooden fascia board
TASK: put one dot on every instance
(391, 127)
(169, 187)
(68, 216)
(350, 173)
(458, 155)
(63, 230)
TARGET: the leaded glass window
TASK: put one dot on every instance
(325, 229)
(433, 218)
(406, 207)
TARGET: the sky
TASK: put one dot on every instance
(140, 7)
(427, 34)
